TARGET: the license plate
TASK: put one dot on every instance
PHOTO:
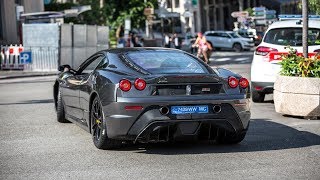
(189, 109)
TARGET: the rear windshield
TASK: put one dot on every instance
(166, 62)
(292, 36)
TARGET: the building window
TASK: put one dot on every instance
(177, 3)
(169, 5)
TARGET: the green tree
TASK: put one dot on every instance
(314, 6)
(113, 12)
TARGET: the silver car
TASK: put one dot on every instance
(229, 40)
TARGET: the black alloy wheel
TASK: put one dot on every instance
(98, 128)
(60, 109)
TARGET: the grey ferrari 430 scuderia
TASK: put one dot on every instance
(152, 95)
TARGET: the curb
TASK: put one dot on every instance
(2, 77)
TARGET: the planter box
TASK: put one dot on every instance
(298, 96)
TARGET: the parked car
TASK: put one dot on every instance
(229, 40)
(152, 95)
(265, 65)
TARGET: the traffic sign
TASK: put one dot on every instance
(271, 12)
(240, 14)
(259, 13)
(26, 57)
(270, 16)
(169, 15)
(259, 9)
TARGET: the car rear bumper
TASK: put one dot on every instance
(264, 87)
(149, 124)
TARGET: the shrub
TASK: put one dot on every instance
(293, 64)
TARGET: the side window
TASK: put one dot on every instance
(92, 65)
(210, 34)
(103, 64)
(225, 35)
(216, 34)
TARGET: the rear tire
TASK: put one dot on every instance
(237, 47)
(231, 138)
(60, 109)
(99, 128)
(257, 96)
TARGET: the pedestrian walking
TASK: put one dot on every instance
(175, 41)
(120, 36)
(202, 44)
(166, 41)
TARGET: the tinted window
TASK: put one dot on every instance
(291, 36)
(234, 35)
(166, 62)
(213, 34)
(225, 35)
(92, 65)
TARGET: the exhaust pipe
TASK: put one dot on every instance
(164, 110)
(216, 108)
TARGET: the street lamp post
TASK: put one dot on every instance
(305, 27)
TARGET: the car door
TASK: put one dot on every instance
(225, 40)
(70, 95)
(72, 85)
(88, 80)
(214, 39)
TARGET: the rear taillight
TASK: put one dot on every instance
(244, 83)
(125, 85)
(233, 82)
(140, 84)
(262, 50)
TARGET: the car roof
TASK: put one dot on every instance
(293, 23)
(219, 32)
(141, 49)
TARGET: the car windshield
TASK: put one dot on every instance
(234, 35)
(292, 36)
(166, 62)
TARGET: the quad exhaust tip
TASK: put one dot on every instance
(164, 110)
(216, 108)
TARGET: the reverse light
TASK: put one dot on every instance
(140, 84)
(233, 82)
(263, 50)
(244, 83)
(125, 85)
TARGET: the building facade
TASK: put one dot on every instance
(204, 15)
(10, 27)
(216, 14)
(188, 19)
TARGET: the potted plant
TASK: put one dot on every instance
(297, 88)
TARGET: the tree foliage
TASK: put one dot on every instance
(113, 12)
(314, 6)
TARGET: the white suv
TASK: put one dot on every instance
(228, 39)
(265, 65)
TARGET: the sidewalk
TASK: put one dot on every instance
(21, 74)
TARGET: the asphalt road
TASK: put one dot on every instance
(33, 145)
